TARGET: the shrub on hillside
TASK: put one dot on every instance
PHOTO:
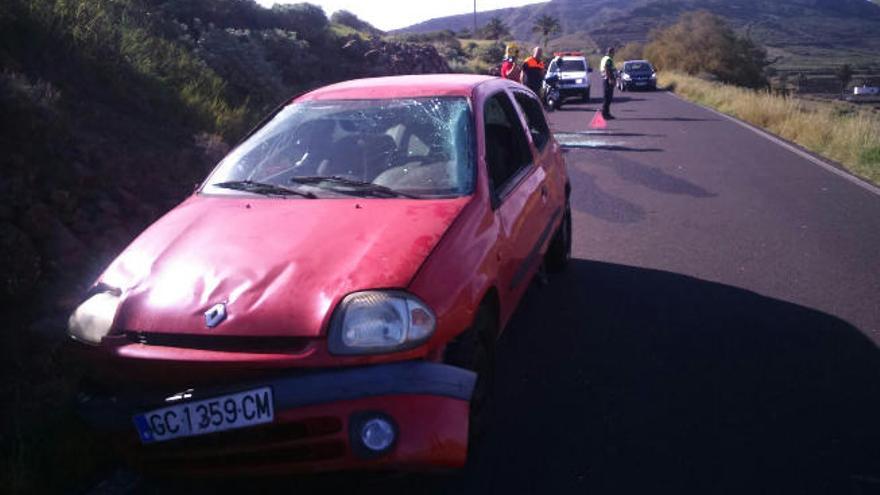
(346, 18)
(631, 51)
(307, 20)
(701, 43)
(491, 53)
(241, 56)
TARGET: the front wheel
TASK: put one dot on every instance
(559, 253)
(586, 97)
(474, 350)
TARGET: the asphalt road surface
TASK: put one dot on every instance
(716, 333)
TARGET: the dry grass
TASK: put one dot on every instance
(837, 131)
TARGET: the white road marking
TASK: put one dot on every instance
(803, 154)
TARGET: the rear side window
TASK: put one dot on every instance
(538, 127)
(507, 150)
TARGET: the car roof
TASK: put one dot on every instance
(414, 86)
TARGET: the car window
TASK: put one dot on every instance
(507, 150)
(538, 127)
(572, 66)
(417, 146)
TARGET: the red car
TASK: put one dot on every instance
(330, 297)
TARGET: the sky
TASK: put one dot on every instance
(392, 14)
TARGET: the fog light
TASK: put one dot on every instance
(377, 434)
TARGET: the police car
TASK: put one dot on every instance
(573, 72)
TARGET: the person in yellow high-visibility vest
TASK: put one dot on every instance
(609, 78)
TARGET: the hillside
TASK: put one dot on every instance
(111, 111)
(800, 33)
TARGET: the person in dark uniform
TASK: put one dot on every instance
(533, 71)
(609, 78)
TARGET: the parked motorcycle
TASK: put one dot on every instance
(552, 96)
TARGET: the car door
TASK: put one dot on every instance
(548, 156)
(517, 195)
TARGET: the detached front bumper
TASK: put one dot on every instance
(317, 416)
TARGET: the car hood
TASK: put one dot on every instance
(279, 265)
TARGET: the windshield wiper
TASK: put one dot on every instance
(351, 186)
(263, 188)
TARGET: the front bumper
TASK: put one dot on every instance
(574, 90)
(314, 413)
(641, 84)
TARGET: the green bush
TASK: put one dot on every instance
(491, 53)
(346, 18)
(702, 43)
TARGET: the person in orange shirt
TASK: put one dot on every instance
(533, 71)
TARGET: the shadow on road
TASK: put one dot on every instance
(654, 178)
(618, 379)
(587, 197)
(625, 99)
(669, 119)
(623, 379)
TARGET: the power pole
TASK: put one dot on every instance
(475, 19)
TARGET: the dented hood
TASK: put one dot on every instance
(279, 265)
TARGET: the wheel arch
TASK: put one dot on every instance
(492, 301)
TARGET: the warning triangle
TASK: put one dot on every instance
(598, 121)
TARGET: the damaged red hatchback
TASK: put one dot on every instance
(330, 297)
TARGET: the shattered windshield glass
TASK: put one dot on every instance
(414, 146)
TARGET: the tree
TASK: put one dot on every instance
(545, 26)
(844, 74)
(495, 29)
(631, 51)
(701, 43)
(346, 18)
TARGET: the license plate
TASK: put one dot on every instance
(641, 83)
(227, 412)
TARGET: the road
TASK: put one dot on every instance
(716, 333)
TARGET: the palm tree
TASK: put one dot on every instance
(495, 29)
(545, 26)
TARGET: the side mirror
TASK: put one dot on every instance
(589, 69)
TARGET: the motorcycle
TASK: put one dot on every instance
(552, 95)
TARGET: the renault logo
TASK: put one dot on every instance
(215, 315)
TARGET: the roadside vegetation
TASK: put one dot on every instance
(111, 111)
(702, 59)
(838, 131)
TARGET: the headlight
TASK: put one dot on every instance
(93, 319)
(653, 75)
(626, 77)
(373, 322)
(579, 81)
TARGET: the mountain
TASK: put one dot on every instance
(799, 33)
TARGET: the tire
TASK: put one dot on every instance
(559, 253)
(586, 97)
(474, 349)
